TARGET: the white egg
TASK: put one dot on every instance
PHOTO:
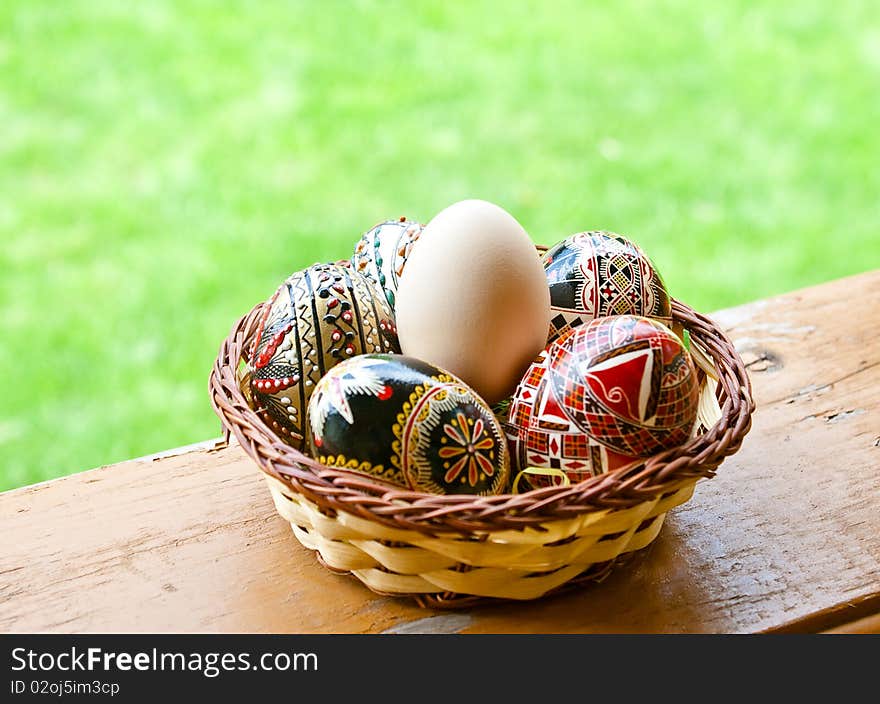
(474, 299)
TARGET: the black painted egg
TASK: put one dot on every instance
(317, 318)
(382, 251)
(595, 274)
(408, 423)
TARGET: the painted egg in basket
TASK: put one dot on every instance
(408, 423)
(382, 251)
(542, 437)
(595, 274)
(615, 389)
(317, 318)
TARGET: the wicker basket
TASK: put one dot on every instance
(450, 551)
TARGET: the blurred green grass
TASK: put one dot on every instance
(163, 165)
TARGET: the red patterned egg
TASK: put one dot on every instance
(595, 274)
(540, 435)
(382, 251)
(604, 394)
(317, 318)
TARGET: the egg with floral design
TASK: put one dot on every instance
(317, 318)
(381, 254)
(407, 423)
(595, 274)
(601, 396)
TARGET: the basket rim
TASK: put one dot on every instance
(337, 490)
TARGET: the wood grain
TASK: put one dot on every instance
(786, 537)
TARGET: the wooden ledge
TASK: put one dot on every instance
(786, 538)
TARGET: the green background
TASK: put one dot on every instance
(164, 165)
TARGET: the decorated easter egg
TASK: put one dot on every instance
(317, 318)
(473, 298)
(596, 274)
(406, 422)
(608, 392)
(382, 251)
(542, 437)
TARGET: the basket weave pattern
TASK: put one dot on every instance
(450, 550)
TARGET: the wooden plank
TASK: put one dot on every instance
(831, 617)
(788, 533)
(869, 624)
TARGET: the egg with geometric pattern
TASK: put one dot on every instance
(604, 394)
(595, 274)
(317, 318)
(407, 423)
(541, 436)
(381, 254)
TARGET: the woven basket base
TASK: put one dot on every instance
(504, 564)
